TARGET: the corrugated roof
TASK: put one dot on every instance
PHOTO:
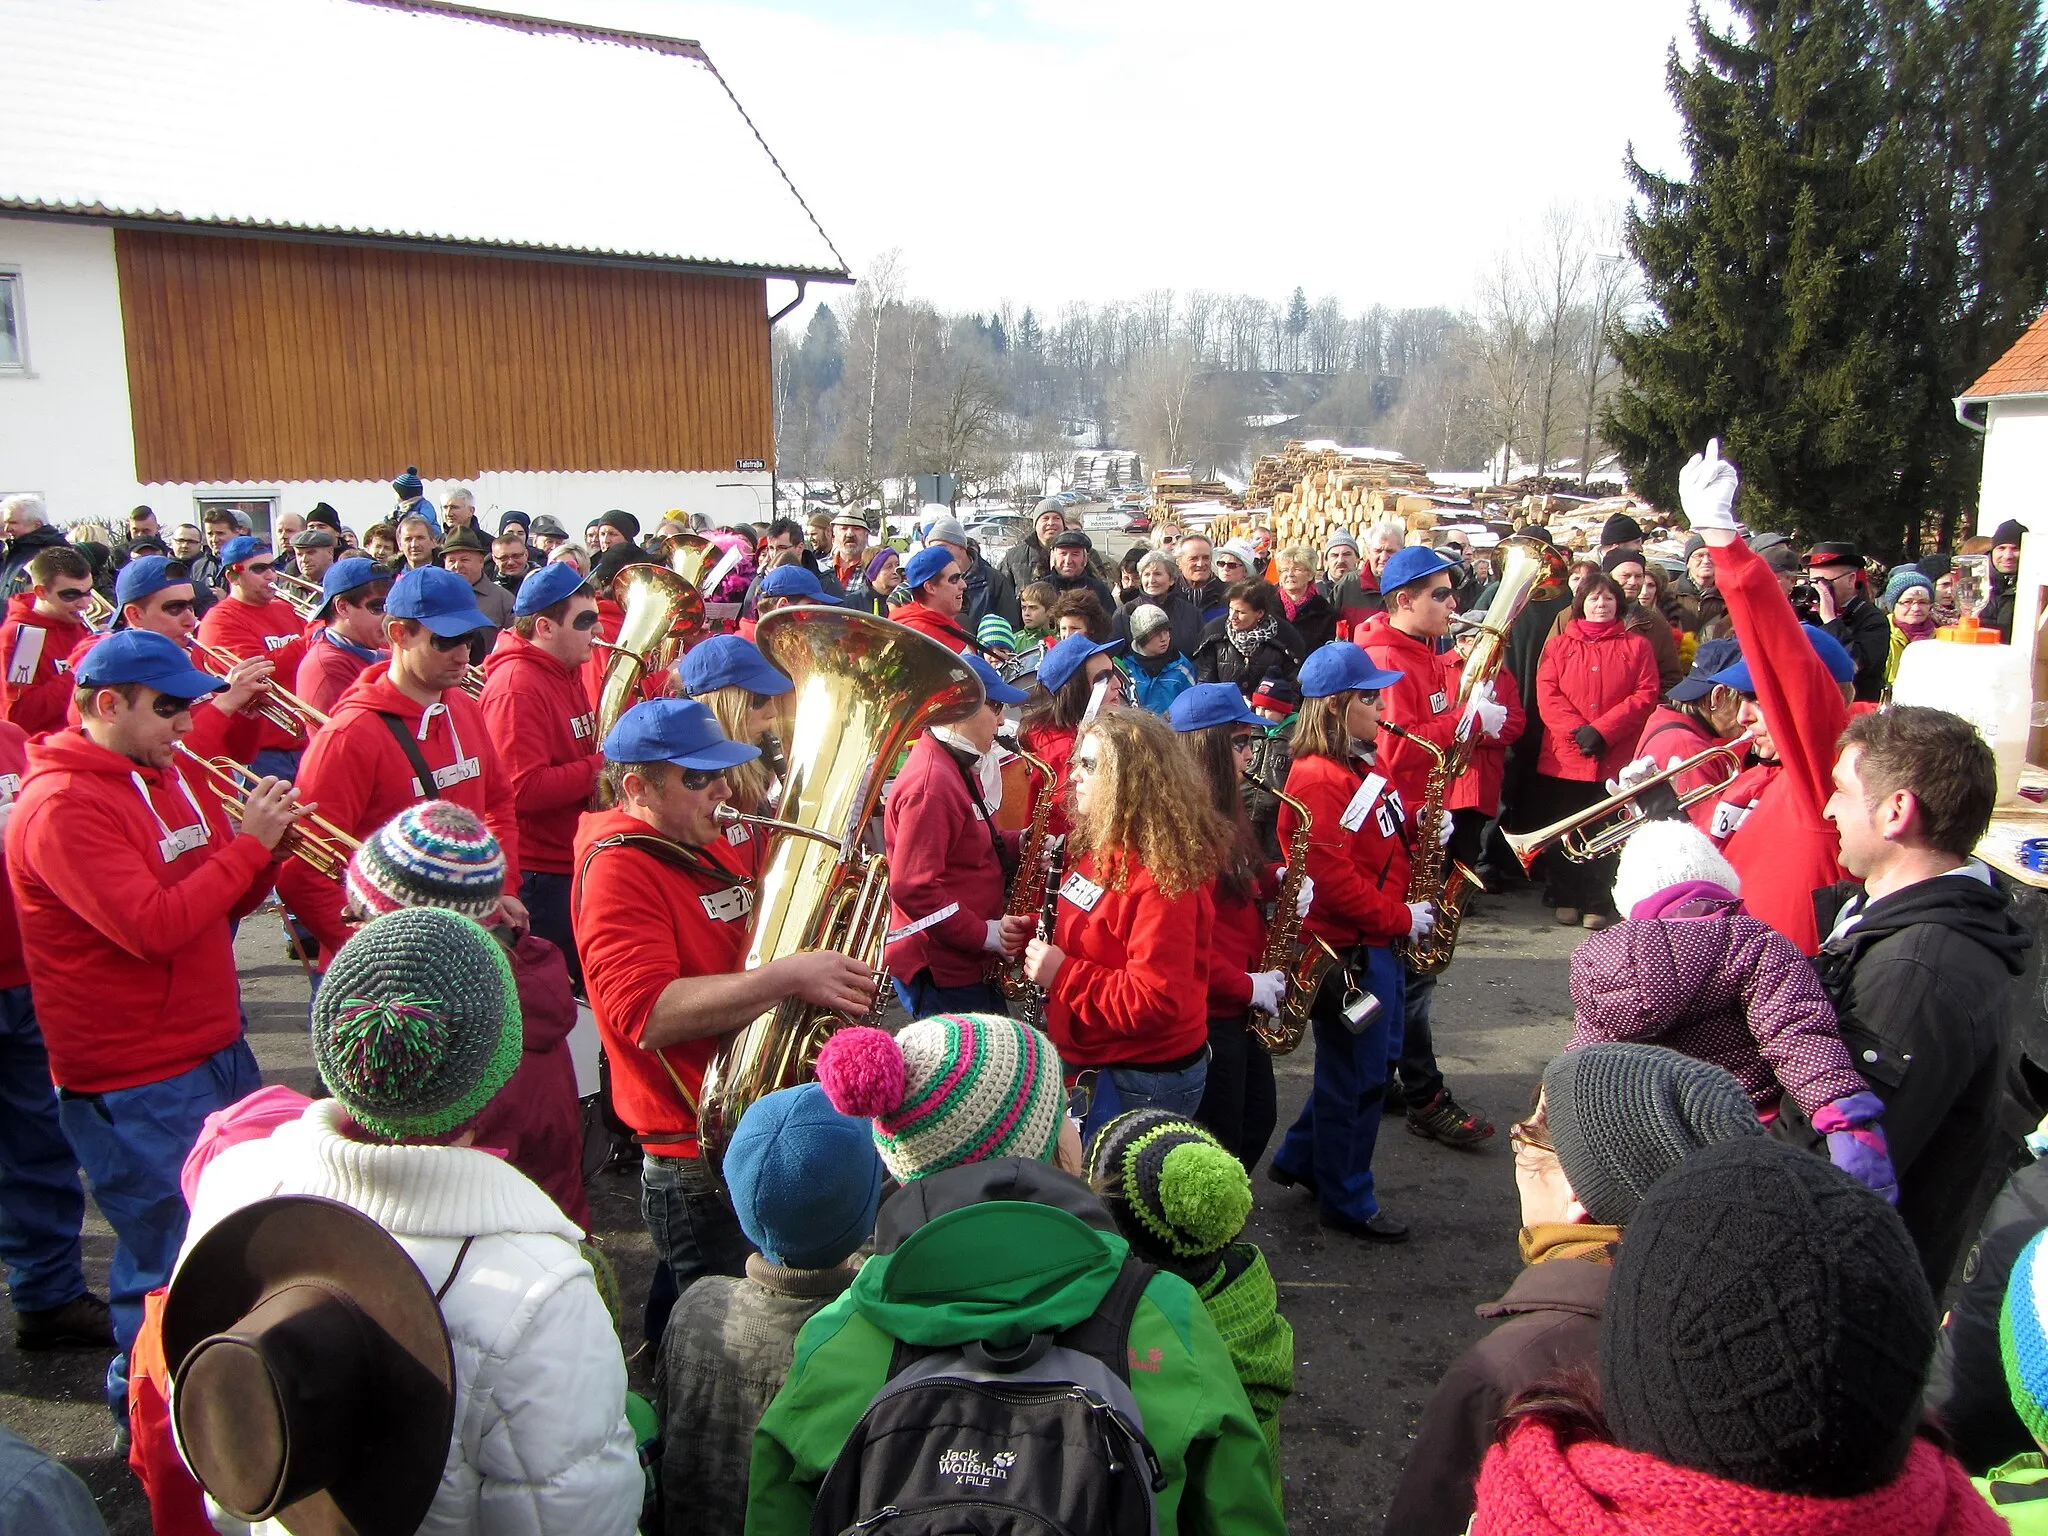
(2022, 371)
(406, 120)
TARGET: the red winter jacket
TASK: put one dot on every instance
(36, 650)
(1784, 849)
(1423, 703)
(1052, 745)
(1134, 988)
(1607, 681)
(329, 669)
(934, 625)
(1240, 943)
(1361, 877)
(536, 1119)
(13, 769)
(358, 777)
(1478, 787)
(272, 630)
(126, 893)
(542, 723)
(941, 857)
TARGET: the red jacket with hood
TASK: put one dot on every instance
(358, 777)
(545, 729)
(1478, 788)
(1135, 986)
(272, 630)
(950, 633)
(329, 669)
(1423, 703)
(36, 650)
(127, 887)
(1607, 680)
(1361, 876)
(940, 856)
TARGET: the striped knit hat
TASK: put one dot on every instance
(994, 632)
(2023, 1337)
(1187, 1193)
(434, 854)
(954, 1088)
(417, 1023)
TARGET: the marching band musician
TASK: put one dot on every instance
(405, 733)
(1126, 974)
(938, 595)
(1417, 584)
(1055, 708)
(544, 730)
(44, 626)
(347, 637)
(1358, 858)
(731, 678)
(127, 886)
(254, 621)
(1218, 730)
(662, 905)
(949, 865)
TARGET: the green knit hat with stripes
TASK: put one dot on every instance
(417, 1024)
(954, 1088)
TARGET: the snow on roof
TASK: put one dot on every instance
(1329, 445)
(2023, 370)
(402, 120)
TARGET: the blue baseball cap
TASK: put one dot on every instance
(1712, 657)
(727, 661)
(346, 576)
(236, 550)
(143, 578)
(798, 581)
(1207, 704)
(1341, 667)
(679, 731)
(925, 564)
(547, 587)
(999, 692)
(1840, 664)
(146, 657)
(1067, 658)
(437, 598)
(1412, 563)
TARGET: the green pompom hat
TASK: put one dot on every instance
(1180, 1185)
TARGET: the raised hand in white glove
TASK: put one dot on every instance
(1421, 918)
(1268, 987)
(1706, 489)
(1304, 897)
(1492, 717)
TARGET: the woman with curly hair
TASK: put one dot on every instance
(1127, 971)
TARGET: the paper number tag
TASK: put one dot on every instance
(1728, 816)
(1081, 891)
(1362, 802)
(728, 905)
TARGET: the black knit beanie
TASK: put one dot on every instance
(1619, 529)
(1767, 1323)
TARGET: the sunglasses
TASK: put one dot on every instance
(587, 619)
(1440, 594)
(260, 567)
(1368, 695)
(71, 594)
(954, 579)
(168, 707)
(701, 778)
(760, 700)
(446, 644)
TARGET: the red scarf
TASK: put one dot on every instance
(1532, 1486)
(1586, 629)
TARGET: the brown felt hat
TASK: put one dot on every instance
(312, 1378)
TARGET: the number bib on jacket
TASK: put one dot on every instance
(1081, 891)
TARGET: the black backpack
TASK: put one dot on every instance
(1044, 1439)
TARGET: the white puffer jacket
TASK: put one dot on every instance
(541, 1443)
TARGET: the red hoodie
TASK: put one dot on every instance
(127, 887)
(358, 777)
(536, 1118)
(544, 727)
(329, 669)
(1423, 703)
(37, 651)
(1135, 986)
(1478, 788)
(946, 883)
(1361, 876)
(272, 630)
(610, 618)
(934, 625)
(13, 769)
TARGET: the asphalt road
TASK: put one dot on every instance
(1374, 1326)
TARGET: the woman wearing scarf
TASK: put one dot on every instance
(1249, 641)
(1303, 606)
(1909, 599)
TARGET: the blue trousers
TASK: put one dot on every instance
(276, 762)
(547, 906)
(1120, 1088)
(694, 1230)
(132, 1144)
(921, 998)
(1332, 1140)
(41, 1200)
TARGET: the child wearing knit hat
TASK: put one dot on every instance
(1181, 1200)
(2018, 1488)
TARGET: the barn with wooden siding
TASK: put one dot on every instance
(535, 258)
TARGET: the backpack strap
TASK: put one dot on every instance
(429, 790)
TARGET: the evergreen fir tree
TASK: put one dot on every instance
(1297, 326)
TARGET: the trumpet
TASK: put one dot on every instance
(305, 596)
(1575, 835)
(313, 840)
(281, 707)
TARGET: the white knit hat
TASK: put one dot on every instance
(1668, 853)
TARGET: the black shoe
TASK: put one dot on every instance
(84, 1322)
(1381, 1229)
(1287, 1180)
(1442, 1119)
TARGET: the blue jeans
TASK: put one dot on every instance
(694, 1229)
(41, 1200)
(547, 905)
(132, 1144)
(1420, 1078)
(921, 998)
(276, 762)
(1118, 1089)
(1331, 1142)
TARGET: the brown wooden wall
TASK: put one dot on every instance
(283, 360)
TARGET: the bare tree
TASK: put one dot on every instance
(1506, 351)
(1614, 292)
(884, 287)
(1557, 272)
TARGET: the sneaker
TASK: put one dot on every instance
(81, 1323)
(1441, 1119)
(1568, 916)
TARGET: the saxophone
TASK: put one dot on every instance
(1027, 889)
(1306, 962)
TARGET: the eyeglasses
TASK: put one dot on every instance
(71, 594)
(587, 619)
(168, 707)
(701, 778)
(446, 644)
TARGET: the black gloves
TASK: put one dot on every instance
(1590, 741)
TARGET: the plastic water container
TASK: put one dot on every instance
(1988, 685)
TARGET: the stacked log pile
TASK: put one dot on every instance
(1316, 488)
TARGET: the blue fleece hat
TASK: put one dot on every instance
(1207, 704)
(241, 548)
(1904, 579)
(925, 564)
(547, 587)
(144, 578)
(1840, 664)
(804, 1179)
(1341, 667)
(728, 661)
(1067, 658)
(1412, 563)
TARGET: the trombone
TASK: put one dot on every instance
(306, 596)
(315, 841)
(1580, 840)
(281, 707)
(99, 612)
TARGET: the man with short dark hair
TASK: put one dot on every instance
(2005, 577)
(1922, 956)
(44, 626)
(416, 539)
(219, 526)
(511, 554)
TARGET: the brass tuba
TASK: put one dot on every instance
(662, 611)
(864, 688)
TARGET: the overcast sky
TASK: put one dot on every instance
(1046, 150)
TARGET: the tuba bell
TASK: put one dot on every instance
(662, 611)
(864, 688)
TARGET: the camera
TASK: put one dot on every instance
(1806, 602)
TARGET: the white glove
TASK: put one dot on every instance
(1632, 775)
(1267, 989)
(1492, 717)
(1421, 918)
(1444, 831)
(1305, 897)
(1706, 489)
(993, 943)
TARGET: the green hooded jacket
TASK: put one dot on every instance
(999, 1251)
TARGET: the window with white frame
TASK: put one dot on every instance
(13, 336)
